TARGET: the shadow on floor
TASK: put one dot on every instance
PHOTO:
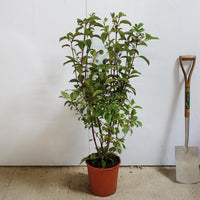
(77, 182)
(169, 172)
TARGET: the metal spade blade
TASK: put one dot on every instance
(187, 164)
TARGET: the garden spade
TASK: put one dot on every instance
(187, 164)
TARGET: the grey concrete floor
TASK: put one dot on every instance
(63, 183)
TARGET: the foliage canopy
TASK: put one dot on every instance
(102, 93)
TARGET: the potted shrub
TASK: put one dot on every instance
(102, 57)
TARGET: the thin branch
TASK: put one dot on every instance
(77, 109)
(100, 131)
(93, 135)
(73, 56)
(108, 139)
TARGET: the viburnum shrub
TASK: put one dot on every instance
(102, 57)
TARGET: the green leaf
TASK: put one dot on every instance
(140, 25)
(88, 43)
(109, 80)
(122, 35)
(73, 81)
(137, 107)
(125, 129)
(132, 102)
(93, 17)
(106, 28)
(65, 45)
(139, 123)
(79, 69)
(108, 117)
(71, 58)
(65, 95)
(97, 113)
(77, 34)
(135, 72)
(66, 102)
(97, 92)
(78, 28)
(86, 31)
(79, 21)
(98, 24)
(133, 112)
(141, 30)
(62, 38)
(121, 14)
(119, 150)
(124, 79)
(93, 52)
(133, 76)
(84, 159)
(73, 95)
(104, 36)
(145, 59)
(150, 37)
(142, 43)
(103, 163)
(112, 149)
(70, 35)
(80, 43)
(93, 156)
(125, 22)
(112, 15)
(124, 68)
(67, 62)
(96, 36)
(100, 52)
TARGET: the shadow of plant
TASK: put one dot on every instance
(77, 182)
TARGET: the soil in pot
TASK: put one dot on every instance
(111, 161)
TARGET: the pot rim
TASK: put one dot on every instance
(105, 169)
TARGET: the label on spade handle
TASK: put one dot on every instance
(187, 102)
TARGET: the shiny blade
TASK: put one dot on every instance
(187, 164)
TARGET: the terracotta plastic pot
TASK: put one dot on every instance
(103, 182)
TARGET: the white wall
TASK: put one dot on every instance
(35, 128)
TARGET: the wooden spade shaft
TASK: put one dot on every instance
(187, 94)
(187, 82)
